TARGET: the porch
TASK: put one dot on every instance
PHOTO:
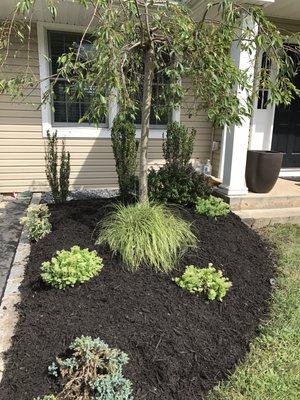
(281, 205)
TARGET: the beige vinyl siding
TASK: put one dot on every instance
(92, 162)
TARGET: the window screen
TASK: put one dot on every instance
(66, 108)
(263, 95)
(159, 115)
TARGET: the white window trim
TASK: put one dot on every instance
(80, 131)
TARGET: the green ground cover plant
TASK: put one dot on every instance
(146, 234)
(36, 222)
(93, 371)
(70, 267)
(207, 281)
(272, 368)
(212, 207)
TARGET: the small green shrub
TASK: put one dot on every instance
(179, 143)
(93, 371)
(36, 221)
(177, 184)
(208, 281)
(71, 267)
(125, 148)
(48, 397)
(144, 233)
(212, 207)
(58, 182)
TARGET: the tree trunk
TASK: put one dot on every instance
(146, 108)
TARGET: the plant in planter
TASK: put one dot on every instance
(208, 281)
(93, 371)
(212, 207)
(144, 233)
(70, 267)
(262, 170)
(36, 222)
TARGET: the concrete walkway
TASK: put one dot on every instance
(11, 210)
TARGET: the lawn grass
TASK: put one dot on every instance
(272, 369)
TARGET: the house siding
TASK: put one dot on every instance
(92, 163)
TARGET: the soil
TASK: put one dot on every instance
(179, 344)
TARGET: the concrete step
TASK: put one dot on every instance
(258, 202)
(258, 218)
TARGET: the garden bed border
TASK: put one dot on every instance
(11, 295)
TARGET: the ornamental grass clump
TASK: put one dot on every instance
(94, 371)
(36, 222)
(207, 281)
(70, 267)
(212, 207)
(146, 234)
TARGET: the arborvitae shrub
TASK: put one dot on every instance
(58, 182)
(179, 143)
(125, 148)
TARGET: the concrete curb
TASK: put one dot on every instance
(11, 296)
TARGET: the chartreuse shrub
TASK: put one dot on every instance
(36, 221)
(48, 397)
(93, 371)
(70, 267)
(145, 233)
(208, 281)
(212, 207)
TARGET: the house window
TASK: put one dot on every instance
(159, 115)
(67, 110)
(263, 95)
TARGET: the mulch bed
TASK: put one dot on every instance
(179, 344)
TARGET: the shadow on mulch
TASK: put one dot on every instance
(179, 344)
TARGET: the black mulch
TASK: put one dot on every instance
(179, 344)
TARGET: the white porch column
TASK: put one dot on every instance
(236, 137)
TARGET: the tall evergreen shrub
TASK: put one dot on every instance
(125, 148)
(57, 171)
(178, 145)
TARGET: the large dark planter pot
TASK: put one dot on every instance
(262, 170)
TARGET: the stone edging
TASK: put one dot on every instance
(11, 295)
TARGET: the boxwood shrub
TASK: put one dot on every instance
(178, 184)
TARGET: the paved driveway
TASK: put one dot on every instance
(11, 211)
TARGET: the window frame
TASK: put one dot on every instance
(78, 130)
